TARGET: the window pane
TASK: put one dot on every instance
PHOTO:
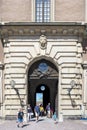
(42, 10)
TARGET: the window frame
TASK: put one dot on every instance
(40, 11)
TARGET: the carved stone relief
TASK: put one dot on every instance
(43, 41)
(49, 73)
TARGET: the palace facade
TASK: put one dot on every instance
(43, 54)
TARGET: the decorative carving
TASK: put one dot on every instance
(40, 74)
(43, 41)
(14, 29)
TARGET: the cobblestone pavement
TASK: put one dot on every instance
(45, 124)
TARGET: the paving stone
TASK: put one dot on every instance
(45, 124)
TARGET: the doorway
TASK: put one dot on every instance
(43, 84)
(42, 95)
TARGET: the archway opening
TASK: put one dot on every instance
(42, 95)
(43, 74)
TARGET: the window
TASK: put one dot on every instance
(43, 67)
(42, 10)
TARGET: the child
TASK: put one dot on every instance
(55, 117)
(20, 118)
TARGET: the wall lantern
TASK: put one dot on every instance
(72, 83)
(12, 82)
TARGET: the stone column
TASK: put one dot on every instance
(85, 82)
(33, 10)
(52, 10)
(1, 90)
(60, 114)
(7, 76)
(84, 104)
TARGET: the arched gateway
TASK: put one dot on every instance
(52, 55)
(43, 84)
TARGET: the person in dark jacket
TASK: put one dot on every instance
(29, 111)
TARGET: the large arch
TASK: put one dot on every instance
(43, 72)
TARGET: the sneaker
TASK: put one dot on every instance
(17, 125)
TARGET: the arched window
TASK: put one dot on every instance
(42, 11)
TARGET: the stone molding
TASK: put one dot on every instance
(14, 29)
(1, 66)
(85, 65)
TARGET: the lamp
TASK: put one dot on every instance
(72, 83)
(12, 82)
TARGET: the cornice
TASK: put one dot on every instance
(41, 23)
(30, 29)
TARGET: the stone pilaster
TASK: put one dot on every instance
(85, 81)
(60, 113)
(1, 90)
(1, 68)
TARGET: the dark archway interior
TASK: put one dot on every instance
(43, 73)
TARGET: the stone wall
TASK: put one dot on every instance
(69, 10)
(66, 53)
(24, 10)
(15, 11)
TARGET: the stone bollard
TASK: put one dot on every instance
(61, 117)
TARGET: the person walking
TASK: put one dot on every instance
(41, 110)
(48, 110)
(20, 118)
(30, 112)
(37, 112)
(54, 117)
